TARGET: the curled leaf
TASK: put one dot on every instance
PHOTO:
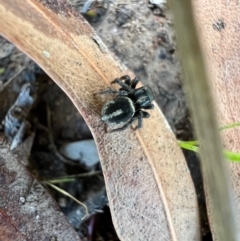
(150, 191)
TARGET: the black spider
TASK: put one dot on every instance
(126, 107)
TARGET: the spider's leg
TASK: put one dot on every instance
(145, 114)
(148, 107)
(113, 92)
(140, 120)
(108, 91)
(122, 84)
(126, 125)
(134, 82)
(127, 80)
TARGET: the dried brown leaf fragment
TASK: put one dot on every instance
(27, 210)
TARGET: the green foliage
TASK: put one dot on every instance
(193, 145)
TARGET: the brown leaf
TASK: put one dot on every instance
(27, 211)
(151, 194)
(218, 24)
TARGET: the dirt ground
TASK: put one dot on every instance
(140, 34)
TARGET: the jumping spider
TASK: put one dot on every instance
(127, 107)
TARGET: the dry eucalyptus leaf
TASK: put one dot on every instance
(27, 211)
(218, 24)
(150, 191)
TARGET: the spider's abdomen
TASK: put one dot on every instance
(117, 111)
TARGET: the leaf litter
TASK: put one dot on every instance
(68, 127)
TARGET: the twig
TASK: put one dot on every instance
(70, 196)
(11, 79)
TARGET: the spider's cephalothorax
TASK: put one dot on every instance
(127, 106)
